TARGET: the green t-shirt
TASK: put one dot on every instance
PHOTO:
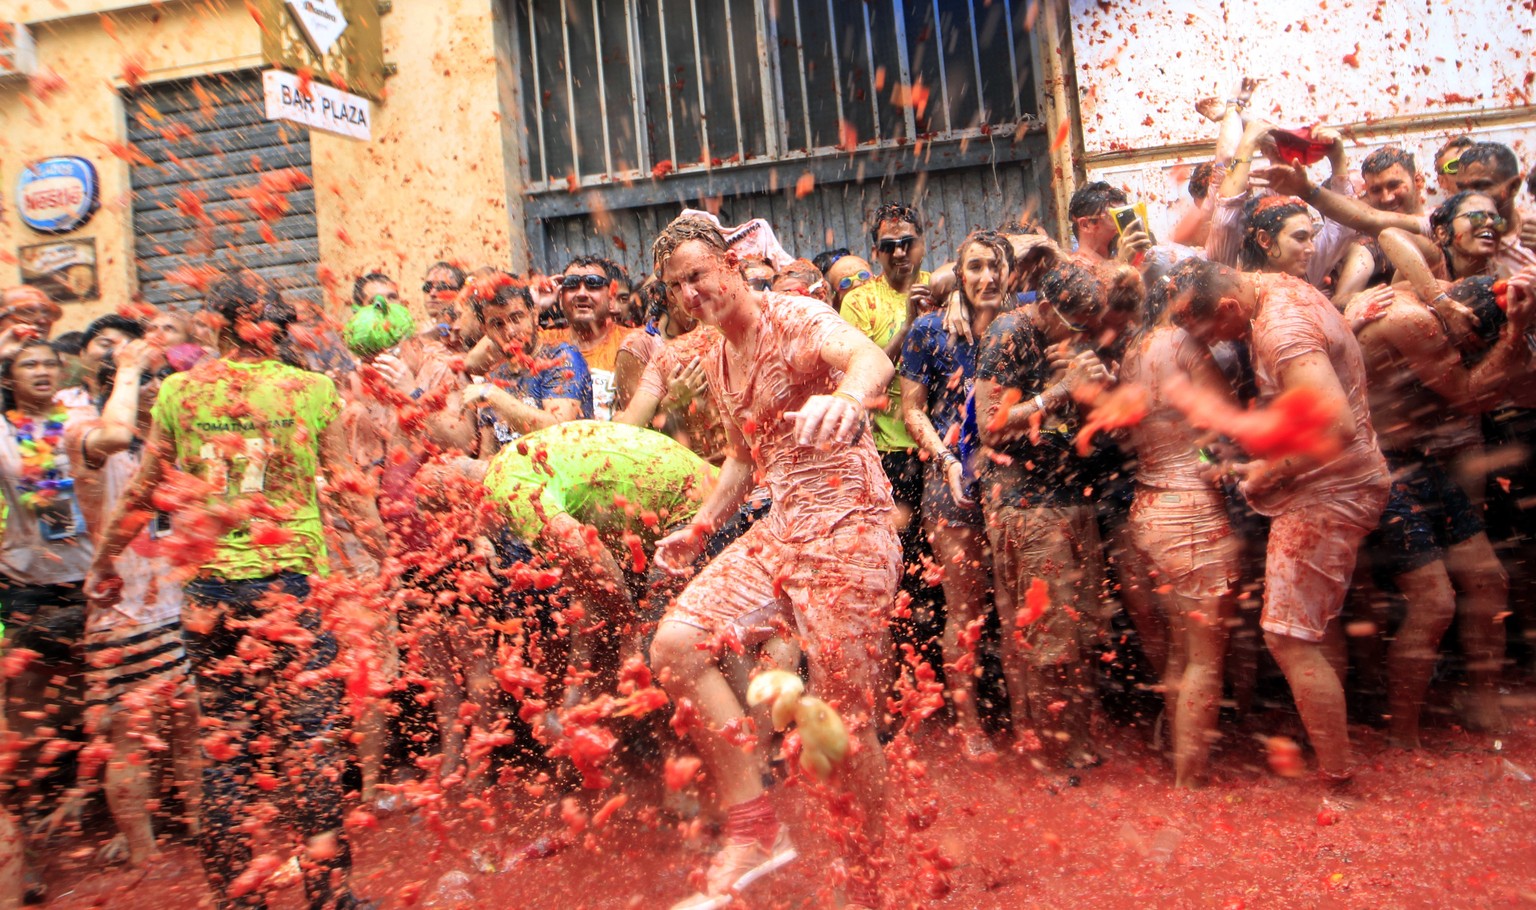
(252, 431)
(611, 476)
(877, 310)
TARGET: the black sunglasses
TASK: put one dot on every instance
(593, 282)
(891, 244)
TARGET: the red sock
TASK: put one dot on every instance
(752, 820)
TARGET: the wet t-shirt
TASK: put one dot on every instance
(813, 490)
(600, 359)
(1167, 457)
(252, 432)
(1294, 320)
(611, 476)
(878, 310)
(1029, 473)
(558, 371)
(149, 594)
(946, 365)
(702, 429)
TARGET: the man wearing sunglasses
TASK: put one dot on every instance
(884, 310)
(1448, 163)
(587, 296)
(446, 320)
(846, 275)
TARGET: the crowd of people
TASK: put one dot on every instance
(683, 534)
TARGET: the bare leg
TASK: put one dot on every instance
(127, 783)
(1133, 571)
(374, 723)
(1203, 625)
(688, 671)
(481, 692)
(1484, 599)
(1411, 658)
(958, 549)
(449, 695)
(186, 761)
(1319, 697)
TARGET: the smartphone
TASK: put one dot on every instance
(1127, 215)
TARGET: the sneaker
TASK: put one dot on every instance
(737, 867)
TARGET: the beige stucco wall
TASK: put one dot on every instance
(432, 183)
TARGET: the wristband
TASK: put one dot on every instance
(850, 397)
(416, 395)
(1040, 403)
(1237, 103)
(948, 458)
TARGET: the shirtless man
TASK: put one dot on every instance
(1423, 400)
(791, 379)
(1320, 508)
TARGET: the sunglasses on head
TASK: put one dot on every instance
(1478, 219)
(759, 284)
(891, 244)
(861, 275)
(593, 282)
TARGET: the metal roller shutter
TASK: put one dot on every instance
(213, 188)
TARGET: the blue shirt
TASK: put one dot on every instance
(947, 366)
(559, 372)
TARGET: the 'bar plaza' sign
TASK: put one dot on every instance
(315, 104)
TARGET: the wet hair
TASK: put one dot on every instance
(1266, 214)
(1092, 199)
(1189, 292)
(1530, 182)
(492, 287)
(804, 270)
(1458, 142)
(895, 211)
(364, 280)
(1072, 289)
(121, 323)
(242, 294)
(1379, 161)
(993, 241)
(826, 258)
(681, 230)
(7, 393)
(609, 267)
(1477, 294)
(71, 343)
(1442, 217)
(1200, 180)
(456, 273)
(1498, 156)
(653, 298)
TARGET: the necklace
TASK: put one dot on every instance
(41, 446)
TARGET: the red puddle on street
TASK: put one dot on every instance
(1448, 826)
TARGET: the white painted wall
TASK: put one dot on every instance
(1141, 64)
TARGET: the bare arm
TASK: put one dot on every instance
(837, 418)
(1314, 372)
(677, 551)
(346, 486)
(518, 414)
(1417, 335)
(627, 369)
(1354, 272)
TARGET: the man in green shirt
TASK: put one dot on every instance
(253, 434)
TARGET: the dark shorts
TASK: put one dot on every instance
(1426, 513)
(904, 469)
(48, 619)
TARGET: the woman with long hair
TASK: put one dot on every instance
(938, 369)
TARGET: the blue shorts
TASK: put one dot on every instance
(1426, 513)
